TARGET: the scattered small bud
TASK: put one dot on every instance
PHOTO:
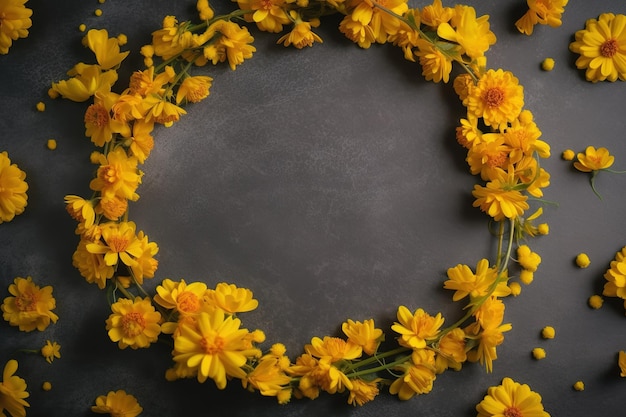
(595, 301)
(579, 386)
(98, 12)
(539, 353)
(582, 260)
(543, 229)
(82, 27)
(526, 276)
(41, 106)
(547, 64)
(122, 39)
(548, 332)
(52, 93)
(51, 144)
(101, 1)
(46, 386)
(568, 154)
(515, 288)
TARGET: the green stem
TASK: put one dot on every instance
(376, 358)
(383, 367)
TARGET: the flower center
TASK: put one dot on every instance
(609, 48)
(97, 115)
(133, 324)
(212, 345)
(513, 412)
(27, 301)
(267, 4)
(117, 243)
(496, 159)
(107, 173)
(494, 97)
(188, 302)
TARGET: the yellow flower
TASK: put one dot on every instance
(488, 156)
(435, 14)
(511, 399)
(14, 22)
(381, 23)
(472, 34)
(185, 299)
(13, 187)
(622, 363)
(545, 12)
(112, 207)
(465, 282)
(301, 35)
(269, 375)
(107, 50)
(145, 83)
(488, 330)
(234, 45)
(29, 307)
(80, 209)
(142, 141)
(160, 110)
(117, 175)
(133, 323)
(316, 374)
(357, 32)
(145, 265)
(528, 259)
(333, 348)
(91, 266)
(194, 89)
(117, 404)
(602, 48)
(99, 125)
(51, 350)
(172, 39)
(231, 299)
(616, 277)
(13, 391)
(85, 81)
(205, 11)
(593, 159)
(497, 98)
(579, 386)
(216, 348)
(548, 332)
(363, 334)
(418, 377)
(406, 37)
(498, 199)
(451, 351)
(363, 391)
(120, 243)
(595, 302)
(269, 15)
(523, 138)
(436, 66)
(416, 329)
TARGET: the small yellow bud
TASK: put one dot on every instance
(46, 386)
(595, 301)
(539, 353)
(543, 229)
(548, 332)
(547, 64)
(515, 288)
(51, 144)
(579, 386)
(82, 27)
(568, 154)
(52, 93)
(98, 12)
(582, 260)
(41, 106)
(526, 276)
(122, 39)
(101, 1)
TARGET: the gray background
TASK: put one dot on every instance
(329, 182)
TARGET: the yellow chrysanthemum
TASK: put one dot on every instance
(50, 351)
(106, 50)
(145, 265)
(142, 142)
(497, 98)
(186, 299)
(14, 22)
(85, 81)
(511, 399)
(363, 334)
(435, 14)
(99, 125)
(13, 391)
(488, 156)
(133, 323)
(334, 348)
(499, 201)
(269, 15)
(472, 33)
(488, 330)
(381, 23)
(13, 187)
(194, 89)
(117, 404)
(593, 159)
(545, 12)
(452, 351)
(91, 266)
(81, 210)
(418, 377)
(29, 307)
(436, 66)
(117, 175)
(622, 363)
(234, 45)
(301, 35)
(523, 138)
(357, 32)
(316, 374)
(231, 299)
(616, 276)
(215, 348)
(119, 243)
(269, 376)
(417, 328)
(602, 48)
(464, 282)
(363, 391)
(172, 39)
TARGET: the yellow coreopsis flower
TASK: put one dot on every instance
(363, 391)
(194, 89)
(464, 282)
(472, 33)
(133, 323)
(172, 39)
(418, 377)
(334, 348)
(117, 404)
(231, 299)
(417, 328)
(14, 22)
(269, 377)
(602, 48)
(234, 45)
(499, 199)
(91, 266)
(186, 299)
(452, 351)
(363, 334)
(497, 98)
(106, 50)
(141, 140)
(511, 399)
(13, 187)
(593, 159)
(117, 175)
(161, 110)
(522, 136)
(489, 330)
(13, 391)
(357, 32)
(545, 12)
(85, 81)
(215, 348)
(435, 14)
(616, 276)
(301, 35)
(488, 156)
(80, 209)
(436, 66)
(50, 351)
(99, 125)
(269, 15)
(29, 307)
(120, 244)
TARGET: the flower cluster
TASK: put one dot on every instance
(615, 276)
(14, 22)
(543, 12)
(13, 187)
(601, 47)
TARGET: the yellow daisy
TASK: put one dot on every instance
(497, 98)
(117, 403)
(13, 187)
(133, 323)
(511, 399)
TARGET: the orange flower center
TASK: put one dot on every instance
(27, 301)
(494, 97)
(212, 346)
(513, 412)
(267, 4)
(133, 324)
(117, 243)
(496, 159)
(97, 115)
(107, 173)
(609, 48)
(188, 302)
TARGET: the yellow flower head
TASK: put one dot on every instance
(436, 66)
(231, 299)
(497, 98)
(161, 110)
(301, 35)
(80, 209)
(112, 207)
(29, 307)
(511, 399)
(333, 348)
(357, 32)
(270, 379)
(13, 187)
(194, 89)
(488, 156)
(269, 15)
(416, 329)
(418, 377)
(85, 81)
(545, 12)
(472, 33)
(186, 299)
(13, 391)
(435, 14)
(499, 200)
(363, 391)
(451, 351)
(528, 259)
(99, 125)
(363, 334)
(234, 45)
(215, 348)
(142, 142)
(593, 159)
(51, 350)
(117, 404)
(117, 175)
(119, 243)
(133, 323)
(464, 282)
(602, 48)
(172, 39)
(91, 266)
(622, 363)
(14, 22)
(107, 50)
(615, 285)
